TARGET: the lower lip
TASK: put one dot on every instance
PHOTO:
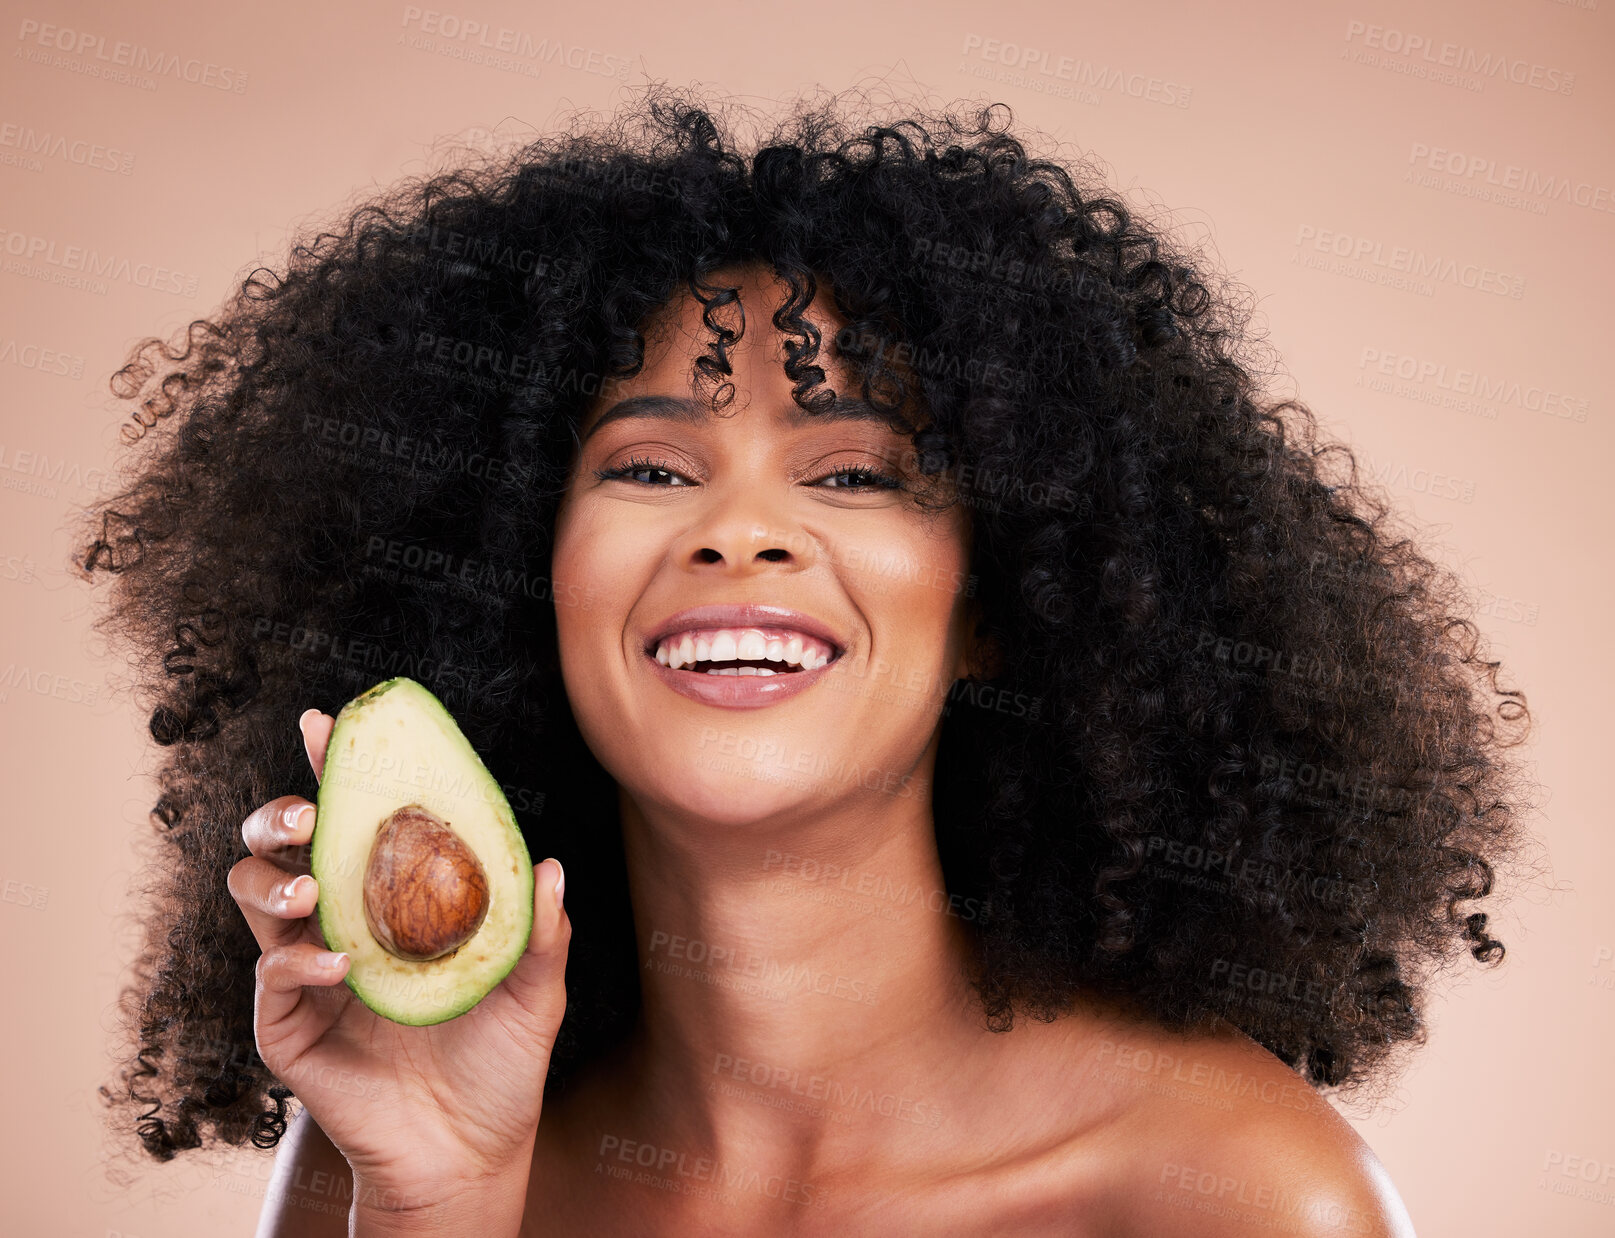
(738, 691)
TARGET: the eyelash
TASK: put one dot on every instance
(883, 481)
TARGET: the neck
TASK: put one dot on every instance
(804, 988)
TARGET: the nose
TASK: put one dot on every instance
(744, 548)
(733, 537)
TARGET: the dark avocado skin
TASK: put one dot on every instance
(406, 1009)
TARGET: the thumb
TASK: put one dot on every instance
(537, 984)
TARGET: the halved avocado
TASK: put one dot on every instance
(424, 876)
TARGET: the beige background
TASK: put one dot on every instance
(1298, 123)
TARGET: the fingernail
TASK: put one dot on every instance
(330, 960)
(292, 816)
(560, 884)
(295, 886)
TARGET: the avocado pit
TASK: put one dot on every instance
(425, 891)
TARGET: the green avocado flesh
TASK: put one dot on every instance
(395, 745)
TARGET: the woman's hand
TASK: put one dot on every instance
(422, 1114)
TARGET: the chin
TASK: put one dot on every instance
(728, 793)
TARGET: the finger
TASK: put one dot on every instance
(538, 981)
(281, 974)
(316, 728)
(551, 928)
(279, 831)
(276, 903)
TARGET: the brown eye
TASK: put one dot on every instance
(865, 478)
(627, 471)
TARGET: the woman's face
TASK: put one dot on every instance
(753, 507)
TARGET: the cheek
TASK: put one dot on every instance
(608, 553)
(592, 560)
(591, 549)
(926, 600)
(911, 588)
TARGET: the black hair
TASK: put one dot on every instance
(1242, 727)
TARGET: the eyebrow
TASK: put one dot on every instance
(692, 412)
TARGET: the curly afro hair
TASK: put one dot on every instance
(1262, 776)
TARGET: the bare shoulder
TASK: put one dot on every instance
(310, 1192)
(1211, 1134)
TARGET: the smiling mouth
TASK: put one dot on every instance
(739, 668)
(770, 652)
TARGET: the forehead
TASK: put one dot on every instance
(757, 286)
(743, 301)
(678, 333)
(694, 412)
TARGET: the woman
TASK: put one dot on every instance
(1121, 707)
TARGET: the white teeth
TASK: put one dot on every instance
(741, 645)
(741, 670)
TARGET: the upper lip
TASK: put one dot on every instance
(744, 615)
